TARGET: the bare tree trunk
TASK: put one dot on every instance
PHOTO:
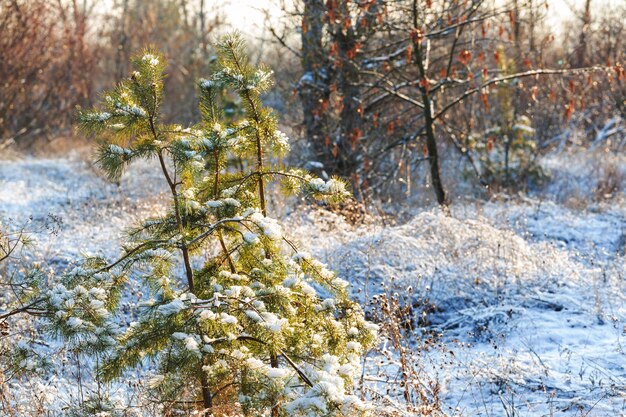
(314, 88)
(120, 58)
(183, 6)
(203, 30)
(348, 84)
(433, 153)
(581, 51)
(531, 26)
(431, 141)
(508, 122)
(517, 31)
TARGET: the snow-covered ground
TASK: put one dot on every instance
(529, 295)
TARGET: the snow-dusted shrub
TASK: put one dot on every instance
(238, 317)
(580, 177)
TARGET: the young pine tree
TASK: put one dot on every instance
(239, 320)
(507, 150)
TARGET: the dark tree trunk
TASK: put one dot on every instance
(274, 364)
(347, 75)
(431, 141)
(121, 56)
(314, 84)
(207, 398)
(581, 52)
(433, 153)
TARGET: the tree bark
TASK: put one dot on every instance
(581, 52)
(429, 120)
(314, 86)
(433, 153)
(274, 364)
(207, 397)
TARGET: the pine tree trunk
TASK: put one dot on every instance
(207, 398)
(274, 364)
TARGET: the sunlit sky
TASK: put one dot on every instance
(248, 16)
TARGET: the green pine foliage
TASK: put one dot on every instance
(506, 151)
(239, 320)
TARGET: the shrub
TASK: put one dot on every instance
(506, 150)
